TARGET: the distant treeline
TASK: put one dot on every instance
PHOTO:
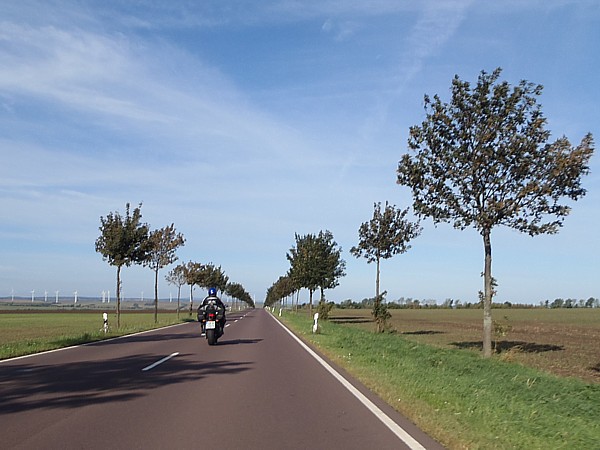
(410, 303)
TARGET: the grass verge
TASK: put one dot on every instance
(459, 398)
(23, 334)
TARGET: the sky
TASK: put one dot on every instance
(245, 122)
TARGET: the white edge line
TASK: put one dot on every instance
(31, 355)
(411, 442)
(166, 358)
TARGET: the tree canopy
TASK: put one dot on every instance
(483, 159)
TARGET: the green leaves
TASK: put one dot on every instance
(123, 240)
(386, 234)
(162, 245)
(483, 160)
(316, 261)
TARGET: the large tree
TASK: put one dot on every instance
(123, 241)
(484, 159)
(385, 235)
(162, 245)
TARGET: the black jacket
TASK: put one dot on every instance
(217, 300)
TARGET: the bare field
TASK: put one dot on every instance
(564, 342)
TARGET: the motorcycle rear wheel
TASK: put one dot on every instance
(211, 337)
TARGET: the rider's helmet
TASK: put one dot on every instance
(212, 292)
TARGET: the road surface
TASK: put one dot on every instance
(257, 389)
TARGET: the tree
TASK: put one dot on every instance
(237, 291)
(123, 241)
(331, 264)
(162, 245)
(303, 264)
(315, 263)
(282, 288)
(176, 277)
(211, 276)
(191, 273)
(484, 160)
(385, 235)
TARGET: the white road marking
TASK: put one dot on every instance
(402, 434)
(166, 358)
(228, 325)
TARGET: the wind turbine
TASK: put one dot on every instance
(12, 294)
(45, 296)
(32, 295)
(103, 296)
(75, 294)
(56, 296)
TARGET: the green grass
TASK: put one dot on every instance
(26, 333)
(461, 399)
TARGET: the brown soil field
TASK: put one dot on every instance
(564, 342)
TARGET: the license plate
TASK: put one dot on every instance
(211, 325)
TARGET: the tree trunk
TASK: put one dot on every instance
(118, 297)
(487, 299)
(156, 295)
(310, 303)
(377, 301)
(377, 282)
(178, 296)
(191, 300)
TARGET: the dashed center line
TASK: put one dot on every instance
(166, 358)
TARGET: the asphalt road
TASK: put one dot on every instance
(257, 389)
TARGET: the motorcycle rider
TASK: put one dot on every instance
(212, 296)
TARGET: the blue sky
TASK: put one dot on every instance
(244, 122)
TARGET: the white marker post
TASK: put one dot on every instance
(105, 320)
(316, 324)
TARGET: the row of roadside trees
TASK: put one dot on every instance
(205, 276)
(315, 263)
(126, 240)
(482, 160)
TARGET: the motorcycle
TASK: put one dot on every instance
(212, 319)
